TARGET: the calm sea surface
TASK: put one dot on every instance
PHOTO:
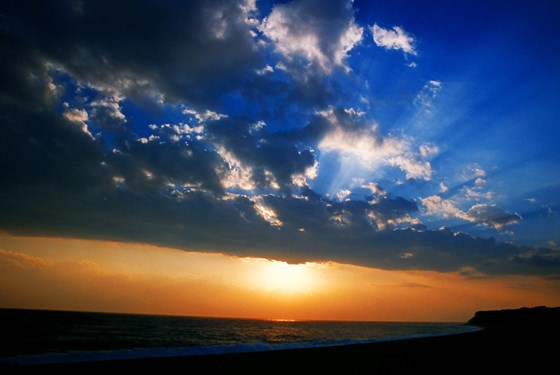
(30, 336)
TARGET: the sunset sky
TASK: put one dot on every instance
(305, 159)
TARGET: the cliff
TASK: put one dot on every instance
(524, 318)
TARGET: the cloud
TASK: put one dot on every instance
(319, 33)
(476, 193)
(120, 56)
(359, 142)
(204, 116)
(424, 99)
(23, 261)
(413, 168)
(272, 160)
(428, 150)
(480, 214)
(396, 39)
(375, 189)
(78, 117)
(492, 215)
(364, 146)
(267, 213)
(343, 194)
(437, 206)
(389, 212)
(107, 113)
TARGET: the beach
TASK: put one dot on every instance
(493, 350)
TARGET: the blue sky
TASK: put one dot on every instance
(401, 135)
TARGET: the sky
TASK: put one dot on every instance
(354, 160)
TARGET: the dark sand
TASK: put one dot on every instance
(491, 351)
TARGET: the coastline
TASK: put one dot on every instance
(490, 349)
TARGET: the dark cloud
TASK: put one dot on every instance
(263, 151)
(43, 149)
(155, 165)
(192, 51)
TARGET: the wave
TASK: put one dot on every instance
(127, 354)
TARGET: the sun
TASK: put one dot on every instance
(287, 278)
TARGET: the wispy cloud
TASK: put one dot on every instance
(425, 97)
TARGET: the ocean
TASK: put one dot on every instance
(39, 337)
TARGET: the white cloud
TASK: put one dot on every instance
(180, 131)
(481, 214)
(396, 39)
(437, 206)
(249, 9)
(267, 69)
(78, 117)
(383, 223)
(354, 112)
(479, 172)
(476, 194)
(362, 146)
(257, 126)
(473, 171)
(311, 30)
(311, 173)
(112, 107)
(235, 174)
(343, 194)
(375, 189)
(369, 150)
(221, 22)
(413, 168)
(428, 150)
(349, 38)
(443, 188)
(265, 212)
(207, 115)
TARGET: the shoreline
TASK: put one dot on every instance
(489, 349)
(77, 357)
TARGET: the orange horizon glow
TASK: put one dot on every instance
(88, 275)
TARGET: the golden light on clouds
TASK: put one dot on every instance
(69, 274)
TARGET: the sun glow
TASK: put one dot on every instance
(86, 275)
(286, 278)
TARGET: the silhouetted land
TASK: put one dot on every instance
(525, 318)
(513, 341)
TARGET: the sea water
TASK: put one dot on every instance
(35, 336)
